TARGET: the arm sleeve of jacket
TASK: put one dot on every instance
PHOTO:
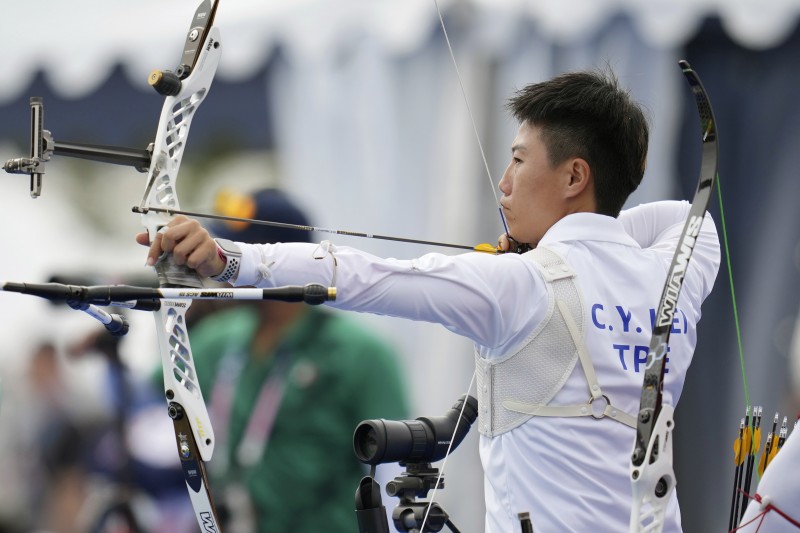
(658, 226)
(492, 300)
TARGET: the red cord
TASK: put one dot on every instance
(763, 514)
(771, 507)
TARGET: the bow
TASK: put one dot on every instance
(651, 469)
(185, 89)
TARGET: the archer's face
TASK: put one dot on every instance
(533, 190)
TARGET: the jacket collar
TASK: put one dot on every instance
(588, 227)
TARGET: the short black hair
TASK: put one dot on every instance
(587, 115)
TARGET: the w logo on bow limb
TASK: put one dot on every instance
(678, 271)
(208, 524)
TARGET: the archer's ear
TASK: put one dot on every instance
(580, 177)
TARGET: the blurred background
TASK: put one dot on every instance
(354, 108)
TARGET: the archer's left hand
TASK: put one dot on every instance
(189, 243)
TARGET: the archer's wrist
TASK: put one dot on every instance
(230, 255)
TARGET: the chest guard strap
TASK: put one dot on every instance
(513, 390)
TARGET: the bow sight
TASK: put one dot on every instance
(43, 147)
(165, 82)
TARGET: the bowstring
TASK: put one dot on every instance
(733, 293)
(502, 219)
(447, 454)
(471, 116)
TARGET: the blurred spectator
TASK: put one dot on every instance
(57, 448)
(136, 479)
(286, 385)
(96, 468)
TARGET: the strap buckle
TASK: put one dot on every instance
(599, 411)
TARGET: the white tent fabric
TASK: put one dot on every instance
(78, 42)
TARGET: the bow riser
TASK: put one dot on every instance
(651, 493)
(186, 406)
(180, 378)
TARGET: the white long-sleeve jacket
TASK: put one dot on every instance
(570, 474)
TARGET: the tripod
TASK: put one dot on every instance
(409, 514)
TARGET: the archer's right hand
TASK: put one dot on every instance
(507, 244)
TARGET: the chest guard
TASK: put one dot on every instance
(514, 389)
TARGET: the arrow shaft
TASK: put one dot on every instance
(144, 210)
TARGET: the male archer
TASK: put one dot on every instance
(561, 331)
